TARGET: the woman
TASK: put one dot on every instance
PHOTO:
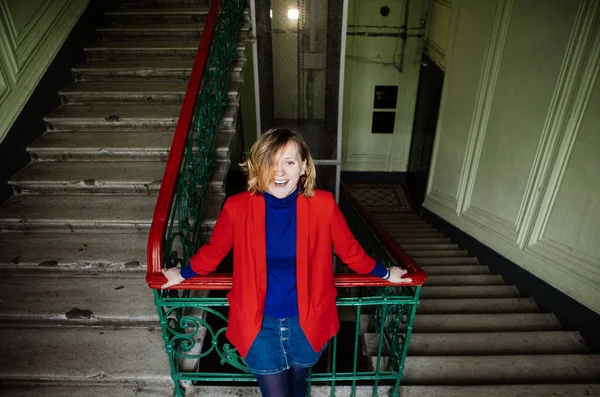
(282, 302)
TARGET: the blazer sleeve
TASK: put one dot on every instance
(346, 246)
(212, 253)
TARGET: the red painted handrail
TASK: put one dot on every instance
(417, 275)
(415, 272)
(171, 175)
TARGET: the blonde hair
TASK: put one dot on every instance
(258, 165)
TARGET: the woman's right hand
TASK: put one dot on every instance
(173, 276)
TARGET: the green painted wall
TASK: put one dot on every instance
(515, 161)
(439, 22)
(25, 13)
(31, 33)
(377, 60)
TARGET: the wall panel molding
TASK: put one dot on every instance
(577, 285)
(537, 243)
(7, 48)
(443, 199)
(493, 223)
(29, 40)
(545, 231)
(26, 56)
(439, 24)
(577, 76)
(483, 102)
(19, 35)
(3, 84)
(560, 254)
(431, 193)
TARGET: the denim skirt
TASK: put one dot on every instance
(279, 345)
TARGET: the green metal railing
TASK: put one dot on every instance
(199, 163)
(194, 326)
(385, 312)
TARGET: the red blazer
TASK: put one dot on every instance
(320, 225)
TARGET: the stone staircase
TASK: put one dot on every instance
(76, 315)
(476, 336)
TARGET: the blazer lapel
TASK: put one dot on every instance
(302, 221)
(260, 243)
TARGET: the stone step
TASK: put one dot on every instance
(484, 343)
(402, 230)
(533, 390)
(136, 49)
(394, 215)
(85, 354)
(466, 323)
(168, 92)
(87, 177)
(83, 390)
(464, 279)
(154, 31)
(85, 213)
(115, 145)
(147, 69)
(126, 91)
(470, 291)
(477, 306)
(389, 208)
(506, 369)
(163, 3)
(120, 299)
(432, 233)
(387, 215)
(412, 222)
(102, 177)
(128, 116)
(437, 253)
(142, 49)
(103, 145)
(162, 14)
(78, 213)
(317, 390)
(430, 247)
(407, 225)
(432, 270)
(448, 261)
(161, 31)
(74, 252)
(422, 241)
(459, 306)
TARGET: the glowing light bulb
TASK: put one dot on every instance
(293, 13)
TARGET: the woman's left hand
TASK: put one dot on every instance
(396, 274)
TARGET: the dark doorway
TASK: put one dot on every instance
(427, 108)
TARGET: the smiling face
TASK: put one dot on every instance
(287, 168)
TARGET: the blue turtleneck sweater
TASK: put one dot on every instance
(282, 295)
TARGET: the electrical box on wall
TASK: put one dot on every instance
(383, 122)
(386, 97)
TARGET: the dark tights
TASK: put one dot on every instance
(289, 383)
